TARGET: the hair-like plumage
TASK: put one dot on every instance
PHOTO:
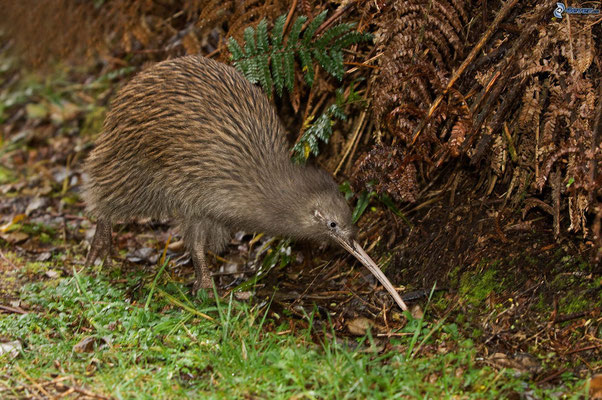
(191, 139)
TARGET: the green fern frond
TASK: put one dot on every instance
(235, 49)
(293, 36)
(325, 62)
(333, 33)
(262, 37)
(321, 129)
(312, 27)
(265, 59)
(278, 32)
(289, 69)
(337, 66)
(265, 77)
(250, 47)
(349, 39)
(278, 72)
(306, 66)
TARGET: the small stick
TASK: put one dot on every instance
(214, 52)
(66, 393)
(364, 64)
(35, 384)
(351, 142)
(289, 17)
(360, 65)
(83, 391)
(16, 310)
(551, 376)
(592, 347)
(354, 149)
(333, 17)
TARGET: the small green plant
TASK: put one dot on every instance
(321, 129)
(269, 58)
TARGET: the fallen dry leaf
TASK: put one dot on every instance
(15, 237)
(86, 345)
(595, 387)
(359, 326)
(13, 348)
(44, 256)
(417, 312)
(521, 362)
(17, 218)
(243, 295)
(52, 274)
(35, 204)
(177, 246)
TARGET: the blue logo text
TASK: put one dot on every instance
(561, 8)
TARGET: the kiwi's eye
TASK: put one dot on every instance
(333, 224)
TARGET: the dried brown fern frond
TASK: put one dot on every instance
(416, 39)
(390, 171)
(529, 99)
(420, 42)
(555, 115)
(530, 111)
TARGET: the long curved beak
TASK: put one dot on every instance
(354, 248)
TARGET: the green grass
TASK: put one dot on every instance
(160, 346)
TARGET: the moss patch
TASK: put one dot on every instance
(475, 288)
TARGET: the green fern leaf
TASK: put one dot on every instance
(337, 112)
(320, 130)
(243, 67)
(350, 38)
(235, 49)
(278, 71)
(265, 77)
(313, 142)
(333, 33)
(263, 58)
(278, 32)
(338, 69)
(324, 60)
(308, 34)
(323, 129)
(262, 37)
(250, 46)
(293, 36)
(252, 68)
(306, 65)
(289, 70)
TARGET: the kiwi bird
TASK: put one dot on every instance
(193, 141)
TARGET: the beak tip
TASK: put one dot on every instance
(358, 252)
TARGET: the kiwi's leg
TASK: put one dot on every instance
(196, 240)
(101, 246)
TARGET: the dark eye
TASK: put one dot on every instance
(333, 224)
